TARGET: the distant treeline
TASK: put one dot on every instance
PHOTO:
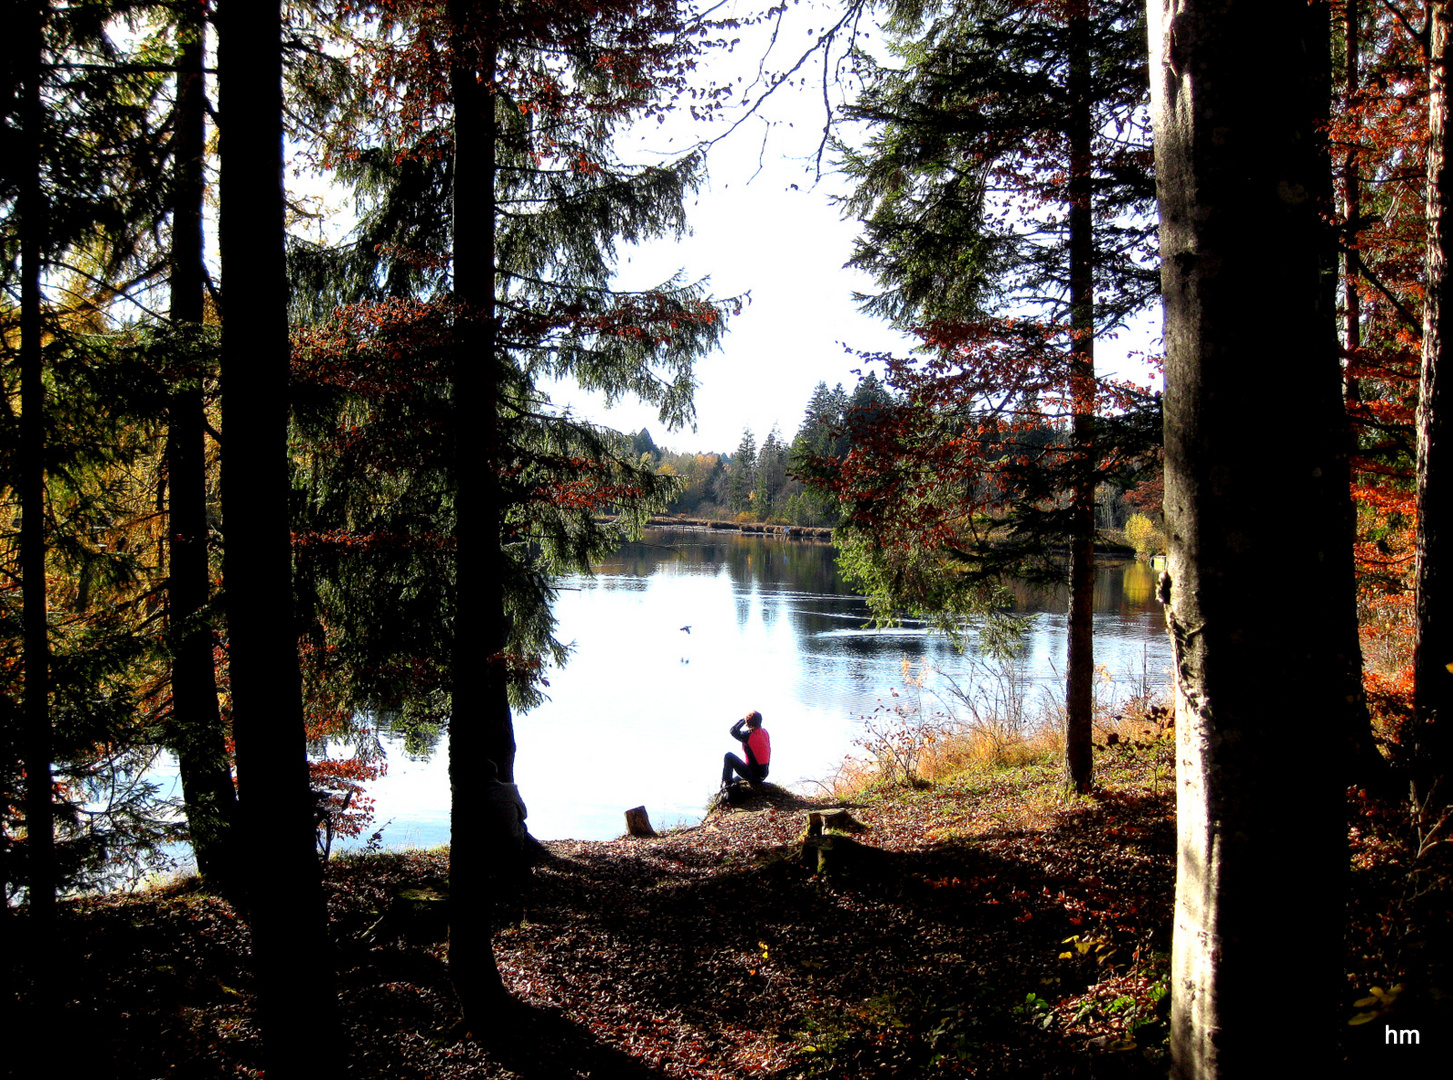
(790, 483)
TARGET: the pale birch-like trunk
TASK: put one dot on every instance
(1433, 647)
(1239, 88)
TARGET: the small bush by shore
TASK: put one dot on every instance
(987, 720)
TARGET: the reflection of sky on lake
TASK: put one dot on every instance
(640, 714)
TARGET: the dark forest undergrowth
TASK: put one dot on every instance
(979, 927)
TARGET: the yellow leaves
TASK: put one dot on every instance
(1103, 948)
(1378, 994)
(1377, 1002)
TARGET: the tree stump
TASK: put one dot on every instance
(637, 823)
(824, 848)
(419, 915)
(835, 855)
(837, 819)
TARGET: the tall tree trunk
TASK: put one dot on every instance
(1243, 181)
(195, 734)
(1365, 764)
(1080, 663)
(39, 810)
(295, 982)
(481, 732)
(1433, 648)
(1351, 199)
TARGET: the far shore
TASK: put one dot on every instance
(819, 534)
(813, 533)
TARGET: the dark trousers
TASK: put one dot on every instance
(731, 763)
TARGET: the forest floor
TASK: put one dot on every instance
(979, 927)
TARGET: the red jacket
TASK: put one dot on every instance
(759, 745)
(756, 742)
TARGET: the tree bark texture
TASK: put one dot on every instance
(295, 983)
(1433, 648)
(1243, 181)
(1080, 659)
(481, 732)
(638, 822)
(195, 733)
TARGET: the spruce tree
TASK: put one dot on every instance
(286, 909)
(742, 473)
(815, 441)
(195, 730)
(79, 190)
(1005, 193)
(771, 476)
(495, 197)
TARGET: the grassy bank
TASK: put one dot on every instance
(980, 926)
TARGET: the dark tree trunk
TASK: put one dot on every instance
(1433, 649)
(195, 733)
(295, 983)
(39, 811)
(1080, 662)
(1243, 183)
(481, 732)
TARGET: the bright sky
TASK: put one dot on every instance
(786, 248)
(766, 226)
(763, 225)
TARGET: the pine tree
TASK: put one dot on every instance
(36, 236)
(1005, 194)
(79, 187)
(816, 442)
(195, 731)
(507, 117)
(771, 477)
(742, 473)
(297, 1003)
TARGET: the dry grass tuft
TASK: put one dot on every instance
(912, 750)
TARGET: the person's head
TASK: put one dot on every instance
(754, 719)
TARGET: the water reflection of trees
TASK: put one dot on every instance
(1122, 587)
(800, 581)
(765, 562)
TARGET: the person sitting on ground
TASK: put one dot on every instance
(756, 745)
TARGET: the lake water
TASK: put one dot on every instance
(640, 714)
